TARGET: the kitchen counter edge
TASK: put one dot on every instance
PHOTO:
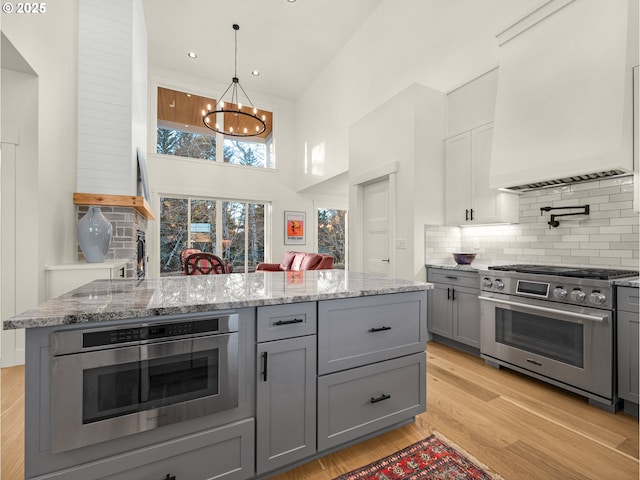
(122, 299)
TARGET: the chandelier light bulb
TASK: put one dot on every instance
(255, 110)
(245, 130)
(204, 113)
(239, 106)
(206, 119)
(208, 107)
(264, 118)
(231, 129)
(217, 126)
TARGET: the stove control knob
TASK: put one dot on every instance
(577, 295)
(499, 284)
(559, 293)
(597, 298)
(486, 282)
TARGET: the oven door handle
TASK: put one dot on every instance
(579, 316)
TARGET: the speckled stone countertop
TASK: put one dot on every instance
(627, 282)
(108, 300)
(474, 267)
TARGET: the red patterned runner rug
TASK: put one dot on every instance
(431, 458)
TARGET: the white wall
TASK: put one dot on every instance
(49, 44)
(407, 130)
(400, 44)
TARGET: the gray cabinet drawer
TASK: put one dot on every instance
(628, 299)
(222, 453)
(353, 403)
(276, 322)
(356, 331)
(453, 277)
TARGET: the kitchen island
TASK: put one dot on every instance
(311, 362)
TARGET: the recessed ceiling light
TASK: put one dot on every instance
(192, 55)
(255, 73)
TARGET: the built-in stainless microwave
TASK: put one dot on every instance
(112, 382)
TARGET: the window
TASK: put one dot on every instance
(181, 132)
(233, 230)
(332, 235)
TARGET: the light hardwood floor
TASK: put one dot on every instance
(519, 427)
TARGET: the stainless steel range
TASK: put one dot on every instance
(554, 323)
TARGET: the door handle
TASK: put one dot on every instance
(386, 260)
(380, 398)
(466, 214)
(472, 214)
(448, 293)
(264, 365)
(289, 322)
(453, 294)
(379, 329)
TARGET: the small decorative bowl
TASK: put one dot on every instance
(464, 258)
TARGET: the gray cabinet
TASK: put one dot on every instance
(371, 365)
(222, 453)
(356, 331)
(628, 338)
(453, 307)
(359, 401)
(286, 386)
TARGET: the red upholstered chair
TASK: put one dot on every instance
(203, 263)
(185, 253)
(295, 261)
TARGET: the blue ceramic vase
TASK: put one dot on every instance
(94, 235)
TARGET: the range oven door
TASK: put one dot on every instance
(563, 343)
(106, 394)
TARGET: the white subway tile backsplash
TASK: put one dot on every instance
(609, 236)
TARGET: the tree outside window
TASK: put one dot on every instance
(232, 230)
(332, 235)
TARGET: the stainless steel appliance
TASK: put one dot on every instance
(116, 381)
(554, 323)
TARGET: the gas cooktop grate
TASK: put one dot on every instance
(562, 271)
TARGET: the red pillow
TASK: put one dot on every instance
(287, 260)
(310, 261)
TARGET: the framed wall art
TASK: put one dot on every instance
(294, 228)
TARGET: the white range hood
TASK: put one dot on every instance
(564, 101)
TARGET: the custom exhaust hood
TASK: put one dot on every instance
(564, 107)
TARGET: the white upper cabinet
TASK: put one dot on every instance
(563, 104)
(472, 104)
(469, 200)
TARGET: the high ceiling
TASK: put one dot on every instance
(288, 42)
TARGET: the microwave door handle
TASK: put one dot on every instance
(144, 374)
(535, 308)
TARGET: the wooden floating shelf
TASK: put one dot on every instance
(140, 204)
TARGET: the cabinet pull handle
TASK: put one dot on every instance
(466, 214)
(451, 277)
(472, 214)
(169, 477)
(380, 398)
(448, 293)
(264, 364)
(387, 260)
(121, 272)
(289, 322)
(453, 294)
(379, 329)
(535, 362)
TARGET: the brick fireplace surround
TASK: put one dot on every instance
(126, 223)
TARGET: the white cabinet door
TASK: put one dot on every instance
(469, 199)
(458, 179)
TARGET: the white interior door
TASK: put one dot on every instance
(376, 228)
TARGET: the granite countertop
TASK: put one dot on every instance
(108, 300)
(474, 267)
(627, 282)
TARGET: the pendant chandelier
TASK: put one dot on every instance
(234, 117)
